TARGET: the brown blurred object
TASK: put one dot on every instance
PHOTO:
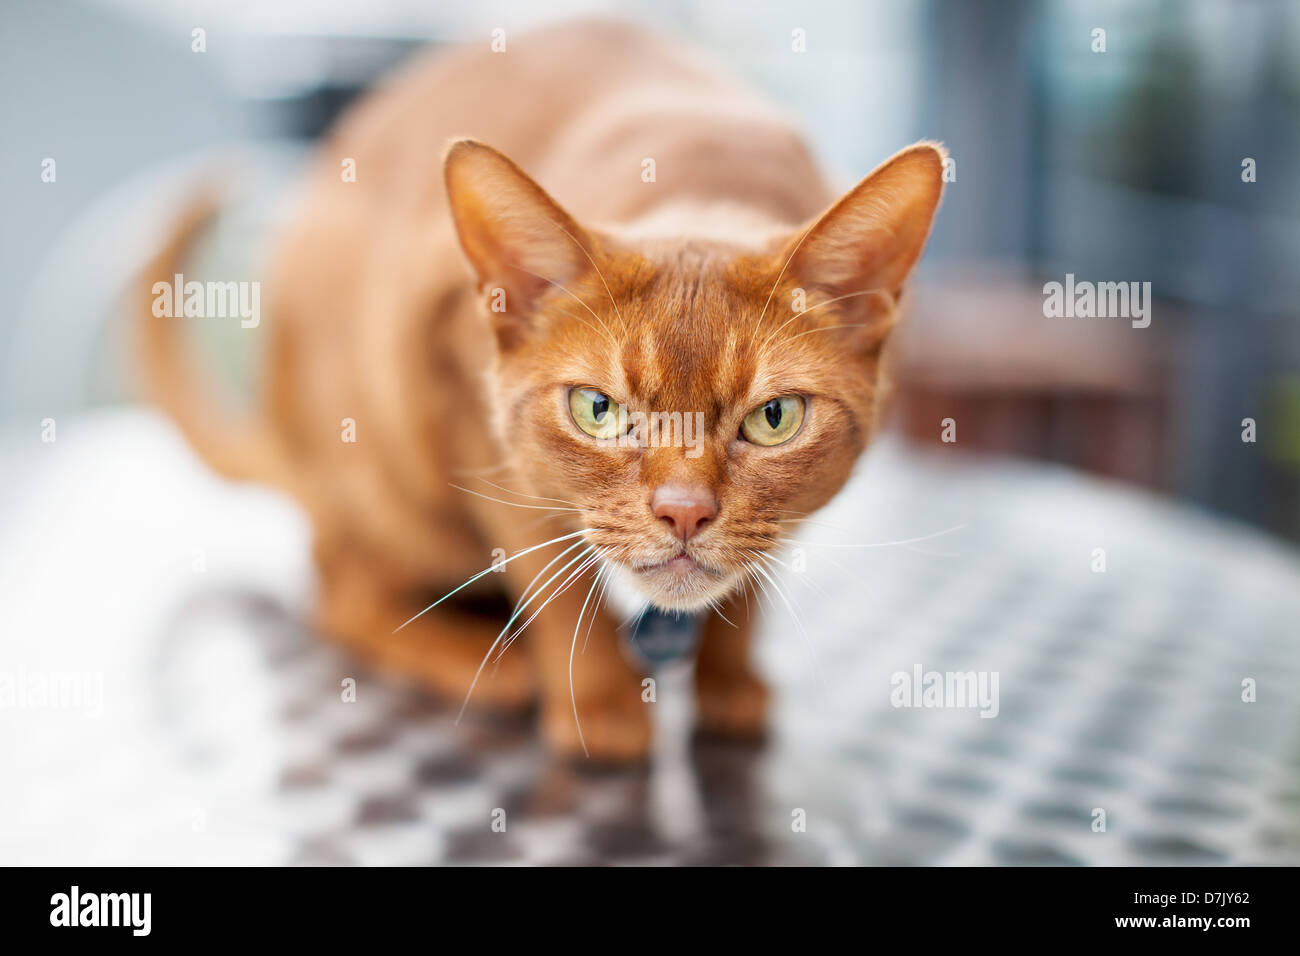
(1087, 392)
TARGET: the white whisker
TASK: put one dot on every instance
(799, 315)
(604, 329)
(779, 276)
(812, 654)
(522, 494)
(881, 544)
(519, 609)
(594, 266)
(777, 561)
(491, 568)
(588, 559)
(573, 697)
(607, 573)
(512, 504)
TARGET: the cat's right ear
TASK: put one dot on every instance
(519, 241)
(869, 240)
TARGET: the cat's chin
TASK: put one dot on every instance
(677, 585)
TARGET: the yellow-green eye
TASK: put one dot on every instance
(596, 413)
(773, 422)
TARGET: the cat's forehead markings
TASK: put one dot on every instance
(632, 363)
(731, 348)
(687, 344)
(650, 371)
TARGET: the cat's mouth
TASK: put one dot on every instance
(682, 582)
(682, 564)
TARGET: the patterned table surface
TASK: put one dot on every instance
(200, 723)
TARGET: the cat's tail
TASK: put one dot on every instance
(238, 445)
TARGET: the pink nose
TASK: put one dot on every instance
(684, 508)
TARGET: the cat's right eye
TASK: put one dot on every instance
(596, 413)
(774, 422)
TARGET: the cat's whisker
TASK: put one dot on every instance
(604, 329)
(527, 592)
(542, 519)
(779, 276)
(521, 494)
(801, 517)
(601, 578)
(879, 544)
(573, 696)
(763, 575)
(852, 295)
(760, 588)
(594, 266)
(573, 315)
(528, 595)
(716, 607)
(512, 504)
(607, 570)
(777, 561)
(744, 589)
(784, 541)
(808, 521)
(812, 653)
(831, 328)
(799, 315)
(489, 570)
(574, 576)
(506, 637)
(519, 609)
(634, 619)
(588, 559)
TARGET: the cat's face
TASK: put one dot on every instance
(692, 400)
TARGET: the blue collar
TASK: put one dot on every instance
(662, 637)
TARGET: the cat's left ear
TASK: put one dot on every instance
(872, 237)
(519, 241)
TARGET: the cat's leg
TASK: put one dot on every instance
(587, 673)
(731, 699)
(442, 650)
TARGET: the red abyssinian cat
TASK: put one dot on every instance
(692, 269)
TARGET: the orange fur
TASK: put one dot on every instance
(676, 295)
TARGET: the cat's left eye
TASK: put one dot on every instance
(774, 422)
(596, 413)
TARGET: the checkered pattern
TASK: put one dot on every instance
(1119, 691)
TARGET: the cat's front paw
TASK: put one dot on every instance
(611, 731)
(732, 706)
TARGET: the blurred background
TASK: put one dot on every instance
(199, 721)
(1122, 165)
